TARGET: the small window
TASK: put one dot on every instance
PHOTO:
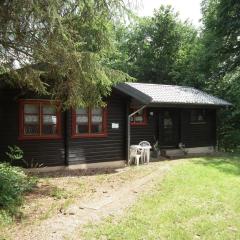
(198, 116)
(139, 118)
(39, 119)
(89, 122)
(167, 120)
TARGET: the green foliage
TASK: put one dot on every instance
(221, 51)
(227, 27)
(159, 48)
(61, 46)
(13, 183)
(229, 126)
(16, 156)
(14, 153)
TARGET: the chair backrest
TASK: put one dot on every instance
(144, 143)
(135, 151)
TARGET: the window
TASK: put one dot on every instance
(89, 122)
(198, 116)
(139, 118)
(39, 119)
(167, 120)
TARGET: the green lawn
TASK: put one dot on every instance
(199, 199)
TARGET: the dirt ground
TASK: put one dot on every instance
(63, 202)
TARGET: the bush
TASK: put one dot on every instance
(13, 183)
(14, 153)
(230, 141)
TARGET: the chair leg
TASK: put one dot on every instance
(137, 160)
(143, 157)
(147, 156)
(130, 161)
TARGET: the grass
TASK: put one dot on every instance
(199, 199)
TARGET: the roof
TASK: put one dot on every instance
(148, 93)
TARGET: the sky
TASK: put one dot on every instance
(188, 9)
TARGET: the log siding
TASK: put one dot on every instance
(112, 147)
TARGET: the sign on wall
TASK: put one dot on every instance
(115, 125)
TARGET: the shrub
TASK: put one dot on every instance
(16, 156)
(13, 183)
(14, 153)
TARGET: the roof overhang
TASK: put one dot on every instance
(134, 93)
(157, 95)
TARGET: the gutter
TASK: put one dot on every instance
(129, 131)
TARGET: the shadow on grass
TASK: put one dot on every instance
(227, 163)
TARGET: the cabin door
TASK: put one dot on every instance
(169, 122)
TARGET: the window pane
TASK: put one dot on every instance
(81, 128)
(31, 119)
(48, 109)
(97, 120)
(167, 121)
(81, 121)
(31, 129)
(31, 108)
(96, 128)
(82, 111)
(49, 129)
(139, 113)
(97, 111)
(197, 116)
(49, 119)
(139, 119)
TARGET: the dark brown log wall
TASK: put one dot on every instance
(102, 149)
(198, 135)
(192, 135)
(46, 152)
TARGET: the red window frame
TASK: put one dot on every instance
(40, 103)
(144, 115)
(89, 134)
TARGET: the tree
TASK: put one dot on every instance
(221, 35)
(186, 69)
(60, 46)
(153, 46)
(227, 27)
(159, 49)
(221, 50)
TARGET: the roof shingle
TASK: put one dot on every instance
(169, 94)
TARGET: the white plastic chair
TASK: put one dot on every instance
(144, 143)
(146, 151)
(135, 154)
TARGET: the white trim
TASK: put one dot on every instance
(84, 166)
(196, 150)
(189, 151)
(112, 164)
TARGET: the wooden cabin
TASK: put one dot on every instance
(95, 137)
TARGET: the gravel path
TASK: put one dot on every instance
(105, 202)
